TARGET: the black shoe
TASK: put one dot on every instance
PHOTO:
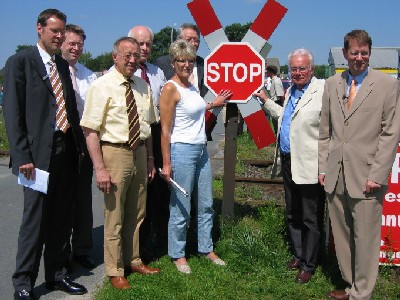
(68, 286)
(24, 295)
(85, 261)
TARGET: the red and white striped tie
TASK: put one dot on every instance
(61, 114)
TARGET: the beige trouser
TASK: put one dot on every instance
(125, 206)
(356, 227)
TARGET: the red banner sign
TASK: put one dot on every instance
(390, 235)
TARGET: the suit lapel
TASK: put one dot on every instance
(341, 92)
(363, 92)
(40, 68)
(200, 68)
(62, 76)
(307, 96)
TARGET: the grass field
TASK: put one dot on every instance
(3, 137)
(255, 248)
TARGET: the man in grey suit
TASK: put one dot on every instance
(191, 33)
(298, 128)
(358, 139)
(43, 130)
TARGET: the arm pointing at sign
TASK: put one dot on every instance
(185, 157)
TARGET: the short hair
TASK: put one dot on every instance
(187, 26)
(182, 49)
(123, 39)
(361, 36)
(301, 51)
(147, 27)
(48, 13)
(76, 29)
(272, 69)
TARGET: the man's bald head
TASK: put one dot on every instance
(144, 35)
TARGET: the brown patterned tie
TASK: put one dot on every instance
(352, 93)
(133, 117)
(61, 114)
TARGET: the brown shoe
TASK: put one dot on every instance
(338, 295)
(120, 282)
(145, 270)
(293, 264)
(303, 276)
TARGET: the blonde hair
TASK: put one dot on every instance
(182, 49)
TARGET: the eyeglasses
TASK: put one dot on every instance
(57, 32)
(75, 44)
(194, 40)
(300, 69)
(362, 53)
(128, 56)
(184, 61)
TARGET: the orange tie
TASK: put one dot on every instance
(352, 93)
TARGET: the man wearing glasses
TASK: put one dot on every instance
(42, 125)
(358, 139)
(81, 77)
(298, 128)
(116, 121)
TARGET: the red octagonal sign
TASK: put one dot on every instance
(236, 67)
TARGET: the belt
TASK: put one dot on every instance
(121, 145)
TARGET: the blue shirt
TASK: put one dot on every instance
(284, 134)
(359, 79)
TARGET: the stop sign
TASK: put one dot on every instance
(236, 67)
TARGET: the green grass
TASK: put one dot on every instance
(3, 136)
(255, 248)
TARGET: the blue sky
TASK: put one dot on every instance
(314, 24)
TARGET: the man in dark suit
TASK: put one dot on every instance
(358, 139)
(190, 33)
(42, 125)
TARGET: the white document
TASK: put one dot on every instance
(40, 183)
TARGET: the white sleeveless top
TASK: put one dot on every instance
(189, 123)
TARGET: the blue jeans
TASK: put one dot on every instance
(191, 169)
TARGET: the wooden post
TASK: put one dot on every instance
(228, 199)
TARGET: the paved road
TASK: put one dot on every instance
(11, 202)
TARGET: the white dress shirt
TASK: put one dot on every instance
(84, 78)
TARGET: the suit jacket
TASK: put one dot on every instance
(30, 108)
(304, 130)
(364, 140)
(164, 63)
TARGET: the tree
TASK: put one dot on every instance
(236, 31)
(85, 58)
(161, 42)
(22, 47)
(102, 62)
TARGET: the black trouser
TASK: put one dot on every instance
(82, 215)
(157, 204)
(46, 220)
(305, 214)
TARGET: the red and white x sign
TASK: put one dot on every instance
(257, 36)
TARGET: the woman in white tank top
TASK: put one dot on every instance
(185, 157)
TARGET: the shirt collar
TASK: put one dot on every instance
(295, 91)
(119, 77)
(359, 78)
(46, 57)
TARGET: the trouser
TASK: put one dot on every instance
(304, 214)
(46, 219)
(125, 206)
(356, 227)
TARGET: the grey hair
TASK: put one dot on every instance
(147, 27)
(187, 26)
(182, 49)
(123, 39)
(301, 51)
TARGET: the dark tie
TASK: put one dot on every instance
(133, 117)
(61, 114)
(144, 76)
(352, 93)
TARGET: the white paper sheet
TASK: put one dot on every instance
(40, 183)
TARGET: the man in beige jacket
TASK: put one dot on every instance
(298, 128)
(358, 139)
